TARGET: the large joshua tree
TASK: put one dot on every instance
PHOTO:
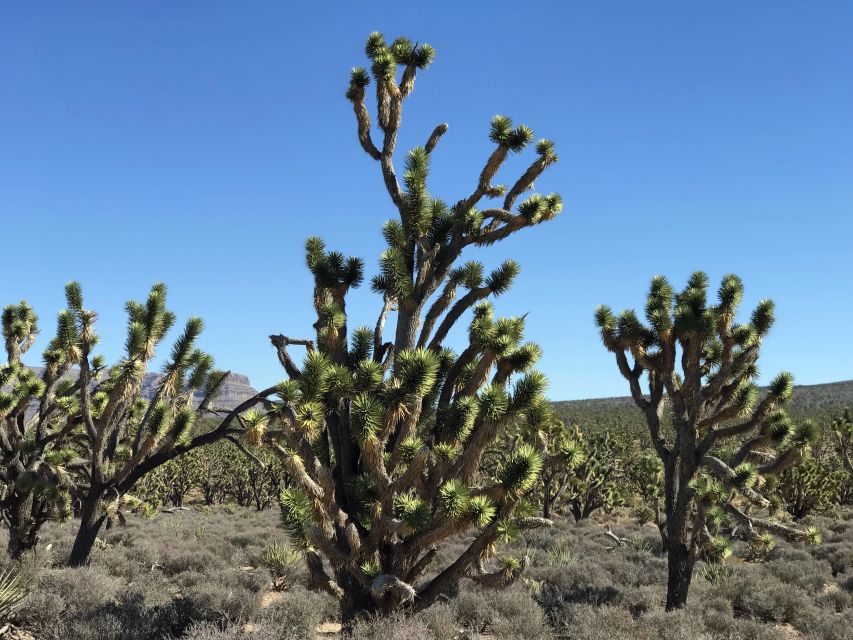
(383, 439)
(721, 442)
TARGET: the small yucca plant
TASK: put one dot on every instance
(717, 549)
(282, 561)
(760, 547)
(12, 593)
(560, 557)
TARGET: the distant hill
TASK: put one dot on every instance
(234, 390)
(819, 402)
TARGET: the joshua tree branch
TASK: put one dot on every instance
(435, 136)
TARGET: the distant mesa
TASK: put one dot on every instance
(236, 389)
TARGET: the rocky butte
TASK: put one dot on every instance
(233, 391)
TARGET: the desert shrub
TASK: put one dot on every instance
(299, 611)
(724, 627)
(41, 610)
(510, 614)
(587, 622)
(122, 564)
(768, 600)
(834, 598)
(198, 560)
(820, 625)
(506, 614)
(140, 613)
(209, 631)
(472, 611)
(640, 599)
(441, 620)
(673, 625)
(796, 567)
(394, 627)
(187, 579)
(584, 622)
(222, 603)
(79, 589)
(241, 541)
(34, 562)
(125, 594)
(542, 539)
(579, 583)
(838, 552)
(244, 578)
(93, 627)
(632, 567)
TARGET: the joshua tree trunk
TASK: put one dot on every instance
(87, 533)
(355, 602)
(680, 562)
(23, 530)
(579, 511)
(546, 498)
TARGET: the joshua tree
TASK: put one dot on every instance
(722, 443)
(822, 481)
(126, 437)
(37, 426)
(215, 461)
(593, 483)
(555, 479)
(810, 487)
(383, 439)
(79, 429)
(843, 429)
(581, 473)
(265, 479)
(644, 474)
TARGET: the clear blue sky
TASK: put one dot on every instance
(200, 142)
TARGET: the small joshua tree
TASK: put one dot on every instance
(37, 426)
(124, 437)
(842, 427)
(594, 480)
(383, 440)
(810, 487)
(582, 470)
(644, 476)
(722, 443)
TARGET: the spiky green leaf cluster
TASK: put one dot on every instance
(412, 510)
(296, 514)
(521, 469)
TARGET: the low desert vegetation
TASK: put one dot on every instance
(199, 573)
(391, 487)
